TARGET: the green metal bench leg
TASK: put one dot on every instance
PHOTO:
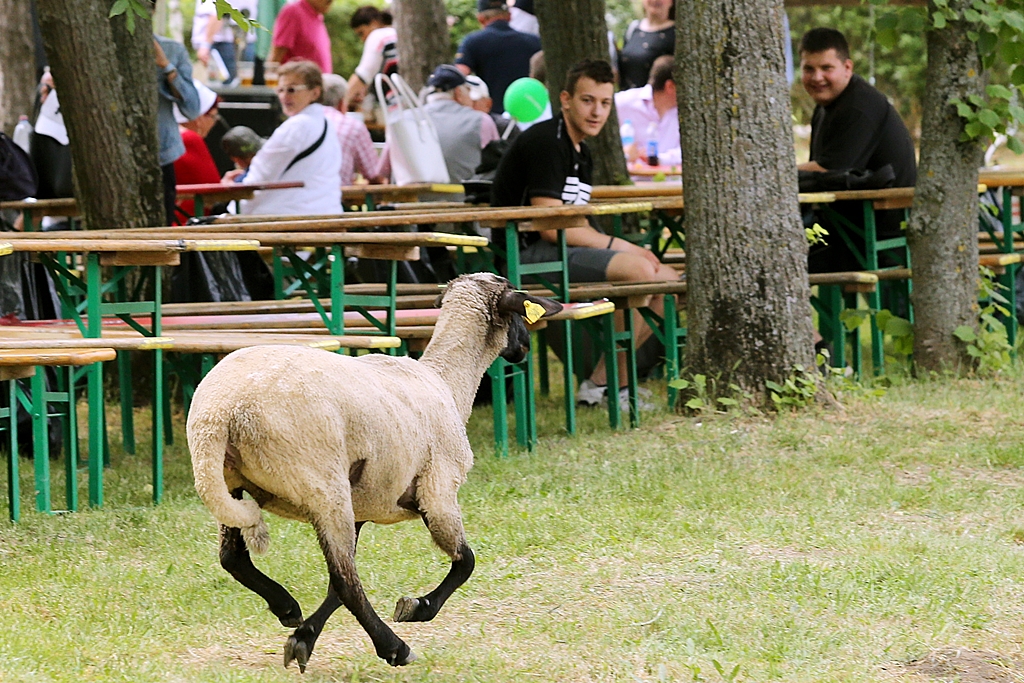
(611, 363)
(159, 416)
(629, 340)
(40, 441)
(70, 443)
(497, 374)
(672, 349)
(541, 342)
(570, 379)
(13, 474)
(124, 373)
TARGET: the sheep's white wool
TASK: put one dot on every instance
(301, 419)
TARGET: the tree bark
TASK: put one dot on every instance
(17, 62)
(570, 31)
(139, 88)
(92, 73)
(748, 302)
(943, 227)
(422, 27)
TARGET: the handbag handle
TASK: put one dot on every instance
(406, 98)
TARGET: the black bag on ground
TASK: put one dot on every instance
(17, 174)
(221, 276)
(850, 179)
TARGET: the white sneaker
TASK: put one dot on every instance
(641, 404)
(590, 394)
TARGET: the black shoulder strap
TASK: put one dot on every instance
(309, 150)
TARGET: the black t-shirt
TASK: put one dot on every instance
(543, 162)
(861, 130)
(639, 52)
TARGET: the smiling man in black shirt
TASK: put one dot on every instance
(550, 165)
(854, 127)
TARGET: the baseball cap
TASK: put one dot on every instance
(477, 88)
(484, 5)
(207, 100)
(446, 77)
(241, 142)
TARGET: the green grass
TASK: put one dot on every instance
(817, 547)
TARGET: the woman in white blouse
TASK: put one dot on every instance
(305, 147)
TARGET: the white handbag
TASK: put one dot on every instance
(415, 149)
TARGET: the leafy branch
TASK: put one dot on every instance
(143, 9)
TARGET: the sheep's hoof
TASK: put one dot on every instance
(406, 609)
(292, 618)
(297, 650)
(402, 656)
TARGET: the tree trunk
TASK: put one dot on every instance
(570, 31)
(92, 77)
(422, 27)
(748, 303)
(139, 87)
(943, 228)
(17, 62)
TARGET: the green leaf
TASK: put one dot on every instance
(774, 386)
(119, 7)
(678, 384)
(965, 333)
(987, 42)
(1017, 77)
(728, 401)
(989, 118)
(973, 352)
(899, 327)
(963, 109)
(695, 403)
(938, 20)
(999, 91)
(974, 129)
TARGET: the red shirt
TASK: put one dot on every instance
(300, 29)
(195, 166)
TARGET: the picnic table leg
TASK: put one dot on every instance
(337, 261)
(1009, 278)
(40, 439)
(497, 374)
(570, 379)
(158, 390)
(629, 341)
(70, 443)
(672, 350)
(611, 364)
(874, 298)
(13, 474)
(97, 432)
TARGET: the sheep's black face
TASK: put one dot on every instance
(518, 345)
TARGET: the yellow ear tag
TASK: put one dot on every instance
(534, 312)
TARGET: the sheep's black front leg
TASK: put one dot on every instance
(338, 544)
(446, 530)
(235, 559)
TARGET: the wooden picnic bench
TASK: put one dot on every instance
(30, 363)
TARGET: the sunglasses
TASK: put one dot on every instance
(291, 89)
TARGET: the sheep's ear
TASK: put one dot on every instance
(533, 308)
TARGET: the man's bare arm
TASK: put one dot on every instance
(278, 54)
(811, 166)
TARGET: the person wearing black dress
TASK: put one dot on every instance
(647, 39)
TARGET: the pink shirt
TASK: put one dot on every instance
(357, 152)
(637, 107)
(300, 29)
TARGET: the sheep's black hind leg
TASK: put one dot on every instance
(235, 559)
(338, 543)
(300, 644)
(446, 530)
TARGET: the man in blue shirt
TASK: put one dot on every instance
(497, 53)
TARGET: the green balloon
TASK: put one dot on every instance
(526, 99)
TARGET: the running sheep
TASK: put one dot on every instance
(338, 441)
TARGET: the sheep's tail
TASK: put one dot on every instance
(208, 443)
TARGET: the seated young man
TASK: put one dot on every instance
(550, 165)
(854, 127)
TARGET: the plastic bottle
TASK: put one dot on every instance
(628, 133)
(652, 144)
(23, 133)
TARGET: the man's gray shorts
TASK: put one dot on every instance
(586, 264)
